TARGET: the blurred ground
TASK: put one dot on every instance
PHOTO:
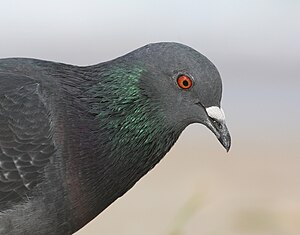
(252, 190)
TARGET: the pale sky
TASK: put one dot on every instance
(88, 31)
(254, 44)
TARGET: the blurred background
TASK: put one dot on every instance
(198, 188)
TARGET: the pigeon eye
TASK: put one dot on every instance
(184, 82)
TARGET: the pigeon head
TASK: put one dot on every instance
(184, 85)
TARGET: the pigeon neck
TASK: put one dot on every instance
(127, 136)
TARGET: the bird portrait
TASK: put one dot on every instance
(73, 139)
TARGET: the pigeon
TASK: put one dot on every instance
(73, 139)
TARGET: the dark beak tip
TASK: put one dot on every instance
(226, 142)
(226, 146)
(221, 132)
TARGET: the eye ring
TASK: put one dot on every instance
(184, 82)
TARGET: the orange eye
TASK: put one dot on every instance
(184, 82)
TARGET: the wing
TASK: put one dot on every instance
(26, 144)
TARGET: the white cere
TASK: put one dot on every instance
(216, 113)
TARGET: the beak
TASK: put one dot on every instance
(221, 131)
(216, 123)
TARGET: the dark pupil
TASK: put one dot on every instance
(185, 83)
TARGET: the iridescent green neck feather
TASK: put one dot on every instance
(126, 112)
(129, 136)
